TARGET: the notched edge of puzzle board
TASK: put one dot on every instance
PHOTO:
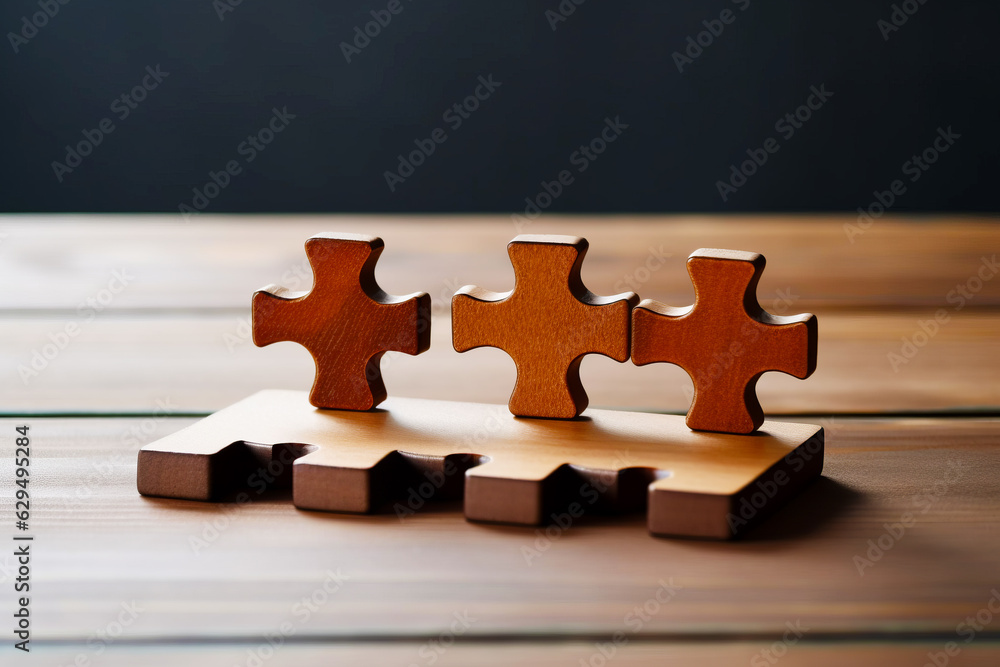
(214, 473)
(197, 463)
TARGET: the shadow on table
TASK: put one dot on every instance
(807, 513)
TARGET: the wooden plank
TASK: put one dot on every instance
(486, 654)
(204, 363)
(215, 571)
(58, 262)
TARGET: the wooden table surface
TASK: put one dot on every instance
(141, 324)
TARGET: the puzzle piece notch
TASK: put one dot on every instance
(525, 472)
(725, 341)
(547, 323)
(347, 322)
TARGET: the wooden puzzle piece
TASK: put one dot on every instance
(725, 341)
(346, 322)
(547, 323)
(518, 471)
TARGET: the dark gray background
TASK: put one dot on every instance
(606, 59)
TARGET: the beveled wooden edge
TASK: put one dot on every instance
(222, 468)
(725, 254)
(370, 240)
(720, 516)
(552, 239)
(174, 475)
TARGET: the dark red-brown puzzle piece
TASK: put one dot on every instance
(546, 324)
(725, 341)
(346, 321)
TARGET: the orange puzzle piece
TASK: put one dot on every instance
(725, 341)
(346, 322)
(547, 323)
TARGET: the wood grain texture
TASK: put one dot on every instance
(237, 570)
(725, 341)
(507, 470)
(60, 261)
(207, 362)
(345, 321)
(547, 324)
(187, 292)
(177, 337)
(465, 652)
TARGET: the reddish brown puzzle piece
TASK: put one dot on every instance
(725, 341)
(547, 323)
(346, 322)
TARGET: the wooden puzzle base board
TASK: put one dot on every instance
(507, 469)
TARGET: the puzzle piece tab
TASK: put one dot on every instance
(725, 341)
(546, 324)
(346, 322)
(511, 470)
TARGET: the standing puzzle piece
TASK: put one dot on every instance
(547, 323)
(518, 471)
(725, 341)
(346, 322)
